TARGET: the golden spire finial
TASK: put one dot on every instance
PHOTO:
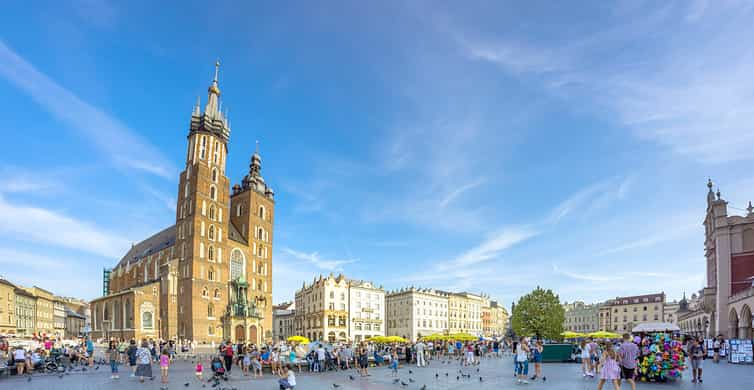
(217, 70)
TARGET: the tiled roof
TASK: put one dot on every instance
(151, 245)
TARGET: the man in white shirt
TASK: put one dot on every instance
(320, 358)
(420, 354)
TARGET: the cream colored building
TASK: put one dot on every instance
(623, 313)
(581, 317)
(498, 319)
(44, 316)
(415, 312)
(465, 313)
(670, 312)
(322, 309)
(7, 307)
(366, 310)
(283, 320)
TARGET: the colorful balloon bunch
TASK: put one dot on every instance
(661, 359)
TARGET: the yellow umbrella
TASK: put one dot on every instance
(604, 335)
(462, 337)
(397, 339)
(434, 337)
(299, 339)
(572, 335)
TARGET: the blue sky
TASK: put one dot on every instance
(486, 146)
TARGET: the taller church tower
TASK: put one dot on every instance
(201, 214)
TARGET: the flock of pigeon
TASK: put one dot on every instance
(398, 381)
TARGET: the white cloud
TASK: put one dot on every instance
(35, 224)
(122, 145)
(460, 190)
(591, 198)
(492, 247)
(314, 259)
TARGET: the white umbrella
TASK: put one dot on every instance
(655, 327)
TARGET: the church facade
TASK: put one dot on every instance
(208, 277)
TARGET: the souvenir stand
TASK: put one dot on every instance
(661, 356)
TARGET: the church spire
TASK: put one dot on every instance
(213, 105)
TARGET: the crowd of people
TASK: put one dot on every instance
(611, 362)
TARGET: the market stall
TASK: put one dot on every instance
(661, 356)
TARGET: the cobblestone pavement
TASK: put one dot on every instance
(495, 374)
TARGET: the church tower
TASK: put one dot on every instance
(252, 206)
(201, 271)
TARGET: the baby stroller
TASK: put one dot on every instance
(218, 371)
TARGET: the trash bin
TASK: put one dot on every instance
(557, 353)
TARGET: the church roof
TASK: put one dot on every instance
(235, 235)
(154, 244)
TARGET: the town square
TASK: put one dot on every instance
(377, 195)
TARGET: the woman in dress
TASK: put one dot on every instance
(537, 359)
(610, 369)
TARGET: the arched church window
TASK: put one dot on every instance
(214, 173)
(212, 212)
(211, 253)
(210, 310)
(203, 148)
(236, 264)
(213, 193)
(211, 233)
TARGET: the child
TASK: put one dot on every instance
(114, 357)
(246, 361)
(287, 378)
(199, 370)
(610, 369)
(164, 365)
(394, 363)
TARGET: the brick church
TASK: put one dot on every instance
(208, 277)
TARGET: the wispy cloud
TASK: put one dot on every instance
(591, 198)
(34, 224)
(126, 149)
(460, 190)
(491, 248)
(314, 259)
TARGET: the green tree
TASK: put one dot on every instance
(538, 313)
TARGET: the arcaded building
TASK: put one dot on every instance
(208, 277)
(725, 304)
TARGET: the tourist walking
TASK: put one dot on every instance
(627, 354)
(586, 359)
(227, 350)
(696, 353)
(114, 355)
(610, 369)
(522, 360)
(131, 352)
(164, 366)
(144, 362)
(536, 353)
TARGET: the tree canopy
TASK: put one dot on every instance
(538, 313)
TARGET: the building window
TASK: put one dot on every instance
(239, 210)
(210, 330)
(210, 310)
(211, 233)
(217, 293)
(205, 293)
(203, 148)
(261, 212)
(236, 264)
(214, 175)
(211, 274)
(216, 152)
(212, 192)
(146, 320)
(212, 212)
